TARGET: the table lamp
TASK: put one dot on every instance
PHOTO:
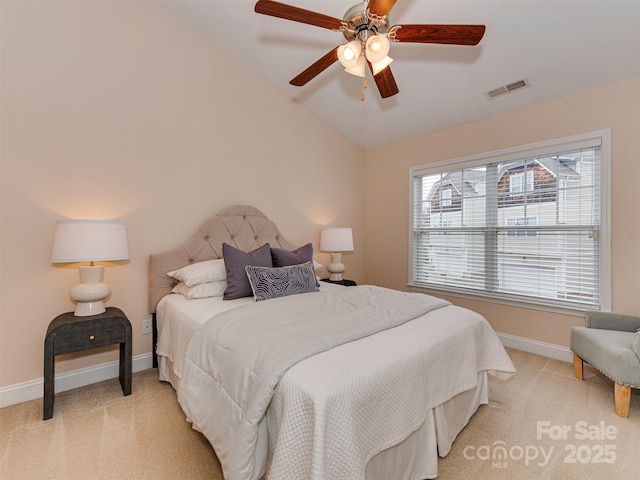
(90, 241)
(335, 241)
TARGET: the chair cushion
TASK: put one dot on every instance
(610, 351)
(636, 343)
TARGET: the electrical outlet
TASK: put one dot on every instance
(146, 327)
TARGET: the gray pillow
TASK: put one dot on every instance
(636, 343)
(235, 260)
(284, 258)
(281, 281)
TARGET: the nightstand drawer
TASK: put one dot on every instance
(80, 337)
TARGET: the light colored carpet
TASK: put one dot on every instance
(97, 433)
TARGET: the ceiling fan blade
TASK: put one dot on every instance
(296, 14)
(381, 7)
(316, 69)
(448, 34)
(386, 83)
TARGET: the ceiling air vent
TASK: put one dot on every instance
(505, 89)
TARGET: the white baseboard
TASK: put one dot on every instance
(31, 390)
(539, 348)
(23, 392)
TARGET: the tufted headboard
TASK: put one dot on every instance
(241, 226)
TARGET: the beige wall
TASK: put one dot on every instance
(120, 110)
(615, 106)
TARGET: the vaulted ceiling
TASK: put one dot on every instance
(559, 47)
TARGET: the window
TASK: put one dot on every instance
(516, 221)
(445, 198)
(442, 223)
(517, 184)
(531, 225)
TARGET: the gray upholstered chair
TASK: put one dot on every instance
(610, 343)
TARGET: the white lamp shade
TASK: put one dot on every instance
(377, 67)
(89, 240)
(336, 240)
(348, 54)
(358, 68)
(376, 48)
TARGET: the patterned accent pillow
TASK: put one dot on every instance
(235, 260)
(276, 282)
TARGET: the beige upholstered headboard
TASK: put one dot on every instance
(241, 226)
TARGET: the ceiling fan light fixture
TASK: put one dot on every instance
(367, 30)
(376, 48)
(349, 54)
(377, 67)
(358, 68)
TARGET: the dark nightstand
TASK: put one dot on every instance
(345, 282)
(68, 333)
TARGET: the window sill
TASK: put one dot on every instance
(577, 311)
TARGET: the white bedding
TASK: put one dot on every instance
(178, 320)
(340, 421)
(312, 436)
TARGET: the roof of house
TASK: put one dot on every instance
(465, 181)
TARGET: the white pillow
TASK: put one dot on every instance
(316, 265)
(202, 290)
(201, 272)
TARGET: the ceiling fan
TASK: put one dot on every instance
(365, 26)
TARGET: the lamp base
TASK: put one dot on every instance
(336, 267)
(90, 292)
(86, 309)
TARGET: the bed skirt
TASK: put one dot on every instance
(416, 458)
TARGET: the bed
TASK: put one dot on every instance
(377, 404)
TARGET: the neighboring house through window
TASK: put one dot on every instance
(527, 225)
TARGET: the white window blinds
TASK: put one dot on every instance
(525, 224)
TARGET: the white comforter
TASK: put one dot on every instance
(343, 417)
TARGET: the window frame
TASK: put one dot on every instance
(598, 137)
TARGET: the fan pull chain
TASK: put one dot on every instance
(364, 87)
